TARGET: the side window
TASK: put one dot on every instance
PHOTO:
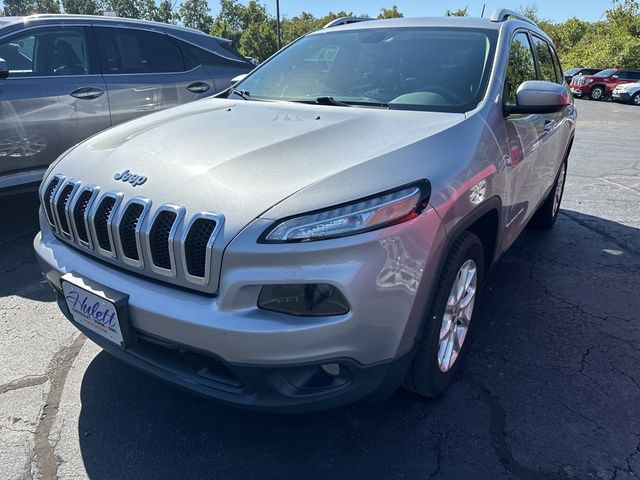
(125, 50)
(556, 62)
(634, 75)
(622, 75)
(205, 57)
(545, 60)
(521, 67)
(46, 52)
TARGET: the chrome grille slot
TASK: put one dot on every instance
(47, 199)
(127, 231)
(196, 246)
(61, 207)
(101, 223)
(159, 242)
(78, 215)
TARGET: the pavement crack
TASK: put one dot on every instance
(57, 372)
(24, 382)
(498, 437)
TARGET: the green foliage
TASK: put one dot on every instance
(612, 42)
(27, 7)
(460, 12)
(195, 14)
(83, 7)
(258, 41)
(390, 12)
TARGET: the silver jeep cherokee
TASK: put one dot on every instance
(320, 232)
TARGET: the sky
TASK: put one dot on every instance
(556, 10)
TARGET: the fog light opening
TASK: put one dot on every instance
(304, 300)
(331, 369)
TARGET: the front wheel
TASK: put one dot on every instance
(445, 334)
(635, 100)
(597, 93)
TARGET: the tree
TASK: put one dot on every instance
(83, 7)
(460, 12)
(531, 11)
(127, 8)
(195, 14)
(390, 12)
(164, 12)
(19, 7)
(297, 26)
(258, 41)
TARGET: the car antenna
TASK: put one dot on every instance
(484, 5)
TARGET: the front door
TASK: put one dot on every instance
(53, 98)
(522, 137)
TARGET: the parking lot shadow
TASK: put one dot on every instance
(19, 272)
(539, 397)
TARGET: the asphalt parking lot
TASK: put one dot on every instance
(550, 389)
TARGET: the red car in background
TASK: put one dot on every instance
(602, 84)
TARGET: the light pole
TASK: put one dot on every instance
(279, 38)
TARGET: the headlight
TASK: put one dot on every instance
(589, 80)
(360, 216)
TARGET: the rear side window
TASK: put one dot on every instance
(46, 52)
(205, 57)
(125, 51)
(545, 60)
(521, 67)
(634, 75)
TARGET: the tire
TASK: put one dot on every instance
(597, 93)
(635, 100)
(430, 373)
(547, 214)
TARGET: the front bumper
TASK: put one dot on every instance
(621, 96)
(579, 91)
(274, 359)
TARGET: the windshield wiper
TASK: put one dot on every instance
(244, 94)
(355, 103)
(331, 101)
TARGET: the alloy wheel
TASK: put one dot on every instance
(457, 315)
(557, 197)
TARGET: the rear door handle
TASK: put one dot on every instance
(199, 87)
(549, 125)
(87, 93)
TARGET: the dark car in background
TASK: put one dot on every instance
(64, 78)
(576, 72)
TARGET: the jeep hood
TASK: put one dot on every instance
(240, 158)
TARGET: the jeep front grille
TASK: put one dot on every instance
(160, 242)
(101, 223)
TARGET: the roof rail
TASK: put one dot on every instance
(502, 14)
(345, 21)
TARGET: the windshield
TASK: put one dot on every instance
(606, 73)
(439, 69)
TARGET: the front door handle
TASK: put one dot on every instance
(549, 125)
(87, 93)
(199, 87)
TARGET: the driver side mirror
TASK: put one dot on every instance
(536, 96)
(616, 77)
(4, 69)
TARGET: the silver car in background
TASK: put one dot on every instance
(64, 78)
(320, 232)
